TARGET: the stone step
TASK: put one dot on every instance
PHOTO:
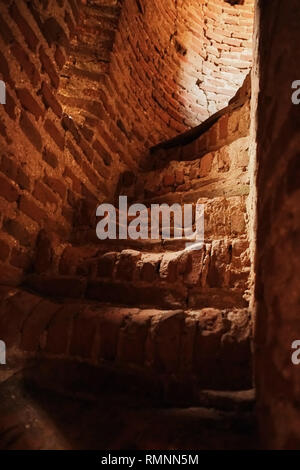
(203, 139)
(160, 295)
(241, 400)
(216, 275)
(114, 421)
(208, 347)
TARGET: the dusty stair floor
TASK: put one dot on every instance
(32, 418)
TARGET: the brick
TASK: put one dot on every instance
(56, 185)
(173, 265)
(106, 264)
(68, 214)
(44, 251)
(101, 168)
(36, 14)
(75, 10)
(110, 324)
(10, 106)
(44, 195)
(69, 125)
(73, 199)
(31, 131)
(76, 183)
(87, 150)
(88, 194)
(58, 286)
(74, 153)
(15, 310)
(169, 179)
(3, 132)
(102, 152)
(133, 337)
(59, 330)
(71, 25)
(206, 164)
(163, 349)
(9, 276)
(109, 141)
(5, 32)
(29, 103)
(87, 133)
(240, 35)
(17, 230)
(59, 57)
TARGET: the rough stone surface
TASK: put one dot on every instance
(278, 218)
(117, 421)
(92, 88)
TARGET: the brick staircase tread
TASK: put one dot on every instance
(10, 291)
(196, 132)
(27, 407)
(192, 344)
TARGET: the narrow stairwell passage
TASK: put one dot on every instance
(142, 331)
(152, 304)
(125, 344)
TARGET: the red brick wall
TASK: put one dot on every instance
(53, 171)
(83, 92)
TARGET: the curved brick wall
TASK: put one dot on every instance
(55, 170)
(278, 226)
(174, 64)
